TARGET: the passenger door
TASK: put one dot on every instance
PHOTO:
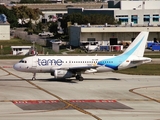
(34, 61)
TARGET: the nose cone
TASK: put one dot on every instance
(16, 67)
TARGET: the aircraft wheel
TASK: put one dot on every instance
(77, 77)
(80, 78)
(33, 78)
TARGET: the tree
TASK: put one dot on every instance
(50, 17)
(93, 19)
(53, 27)
(11, 17)
(34, 14)
(23, 13)
(20, 13)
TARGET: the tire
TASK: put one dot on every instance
(77, 77)
(33, 78)
(80, 78)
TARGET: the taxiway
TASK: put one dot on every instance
(100, 96)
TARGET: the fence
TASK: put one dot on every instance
(32, 38)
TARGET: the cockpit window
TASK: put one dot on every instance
(22, 61)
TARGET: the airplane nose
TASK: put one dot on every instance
(16, 66)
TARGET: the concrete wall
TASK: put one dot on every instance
(114, 29)
(4, 31)
(129, 5)
(98, 36)
(55, 47)
(31, 38)
(56, 7)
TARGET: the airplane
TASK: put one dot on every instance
(75, 66)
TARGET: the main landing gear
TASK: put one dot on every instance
(34, 76)
(79, 77)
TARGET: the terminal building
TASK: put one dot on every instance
(128, 12)
(135, 16)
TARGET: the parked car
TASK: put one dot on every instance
(49, 34)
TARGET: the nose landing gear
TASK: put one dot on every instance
(34, 76)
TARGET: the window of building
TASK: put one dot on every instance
(122, 18)
(134, 19)
(146, 18)
(91, 39)
(156, 18)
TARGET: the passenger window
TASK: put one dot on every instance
(21, 61)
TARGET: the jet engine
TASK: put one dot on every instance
(62, 74)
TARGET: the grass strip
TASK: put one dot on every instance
(144, 69)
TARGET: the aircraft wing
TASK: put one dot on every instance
(76, 68)
(83, 67)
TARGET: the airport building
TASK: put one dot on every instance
(135, 16)
(21, 50)
(4, 31)
(109, 35)
(4, 28)
(128, 12)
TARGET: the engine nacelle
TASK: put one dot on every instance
(62, 74)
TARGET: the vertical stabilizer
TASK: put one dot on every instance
(137, 47)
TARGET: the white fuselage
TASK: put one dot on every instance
(42, 64)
